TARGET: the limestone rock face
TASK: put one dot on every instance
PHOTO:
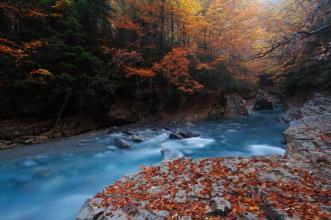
(318, 105)
(223, 106)
(308, 133)
(235, 106)
(263, 101)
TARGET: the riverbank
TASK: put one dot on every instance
(297, 185)
(21, 132)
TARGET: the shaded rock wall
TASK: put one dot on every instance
(32, 132)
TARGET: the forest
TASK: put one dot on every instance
(80, 57)
(165, 109)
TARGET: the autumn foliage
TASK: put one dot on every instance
(186, 47)
(175, 68)
(243, 186)
(19, 51)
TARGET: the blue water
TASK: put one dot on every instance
(53, 186)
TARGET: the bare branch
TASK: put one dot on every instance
(289, 39)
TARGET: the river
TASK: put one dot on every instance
(50, 181)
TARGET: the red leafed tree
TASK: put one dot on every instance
(142, 72)
(122, 58)
(19, 50)
(175, 68)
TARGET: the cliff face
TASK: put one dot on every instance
(297, 185)
(308, 138)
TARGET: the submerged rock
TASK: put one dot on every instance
(111, 148)
(30, 163)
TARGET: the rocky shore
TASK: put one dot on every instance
(296, 186)
(24, 132)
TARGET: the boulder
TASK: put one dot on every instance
(121, 143)
(137, 138)
(88, 212)
(183, 133)
(263, 101)
(175, 135)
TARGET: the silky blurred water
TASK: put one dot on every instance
(53, 186)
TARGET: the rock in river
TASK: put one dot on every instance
(180, 133)
(121, 143)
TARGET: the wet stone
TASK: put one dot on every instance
(89, 212)
(247, 216)
(121, 143)
(137, 138)
(273, 213)
(181, 196)
(219, 207)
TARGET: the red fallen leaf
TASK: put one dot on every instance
(294, 195)
(253, 208)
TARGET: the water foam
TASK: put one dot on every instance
(263, 149)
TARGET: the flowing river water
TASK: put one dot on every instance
(51, 181)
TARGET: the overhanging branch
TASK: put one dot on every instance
(289, 39)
